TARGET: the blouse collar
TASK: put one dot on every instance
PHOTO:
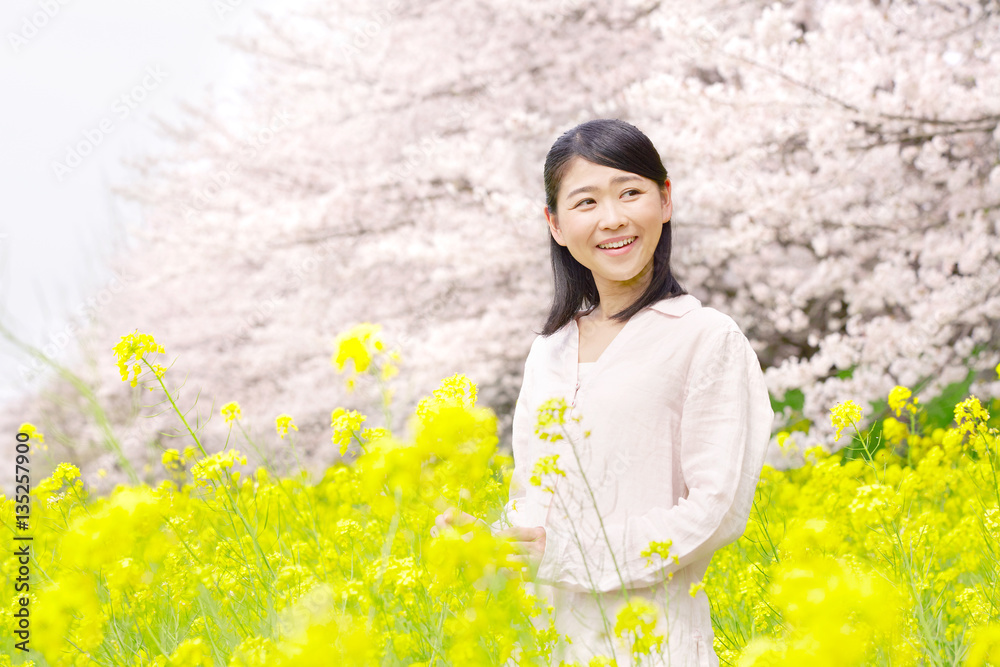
(676, 306)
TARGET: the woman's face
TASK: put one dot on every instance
(597, 205)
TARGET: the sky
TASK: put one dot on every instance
(83, 81)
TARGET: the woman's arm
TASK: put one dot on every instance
(522, 439)
(725, 428)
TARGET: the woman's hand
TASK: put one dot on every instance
(530, 542)
(453, 517)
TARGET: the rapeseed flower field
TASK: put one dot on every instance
(886, 552)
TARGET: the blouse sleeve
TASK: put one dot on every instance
(515, 511)
(724, 430)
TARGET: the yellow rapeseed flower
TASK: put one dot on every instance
(786, 442)
(131, 349)
(894, 431)
(844, 415)
(32, 432)
(602, 661)
(985, 645)
(192, 653)
(231, 411)
(551, 413)
(64, 479)
(363, 345)
(254, 652)
(374, 434)
(835, 607)
(637, 620)
(72, 611)
(659, 548)
(283, 422)
(352, 349)
(216, 465)
(898, 398)
(457, 390)
(358, 345)
(970, 414)
(344, 424)
(546, 465)
(172, 460)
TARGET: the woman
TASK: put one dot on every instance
(669, 415)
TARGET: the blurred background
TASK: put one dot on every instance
(246, 179)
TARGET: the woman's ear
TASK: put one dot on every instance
(666, 201)
(553, 221)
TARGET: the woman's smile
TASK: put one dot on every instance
(618, 246)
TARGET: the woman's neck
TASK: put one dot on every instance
(617, 296)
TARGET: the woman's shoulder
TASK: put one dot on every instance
(696, 319)
(545, 346)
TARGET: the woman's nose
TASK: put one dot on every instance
(612, 216)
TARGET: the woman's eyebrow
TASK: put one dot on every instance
(614, 181)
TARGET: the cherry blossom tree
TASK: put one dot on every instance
(834, 168)
(845, 188)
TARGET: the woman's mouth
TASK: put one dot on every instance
(617, 247)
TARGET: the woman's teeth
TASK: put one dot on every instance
(618, 244)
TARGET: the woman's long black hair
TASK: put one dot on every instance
(611, 143)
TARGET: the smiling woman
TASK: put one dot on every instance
(608, 207)
(664, 434)
(590, 227)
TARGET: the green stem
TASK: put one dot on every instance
(590, 578)
(170, 398)
(593, 501)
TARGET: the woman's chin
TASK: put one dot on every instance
(623, 275)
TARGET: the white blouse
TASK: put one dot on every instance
(677, 419)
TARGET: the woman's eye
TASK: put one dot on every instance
(588, 199)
